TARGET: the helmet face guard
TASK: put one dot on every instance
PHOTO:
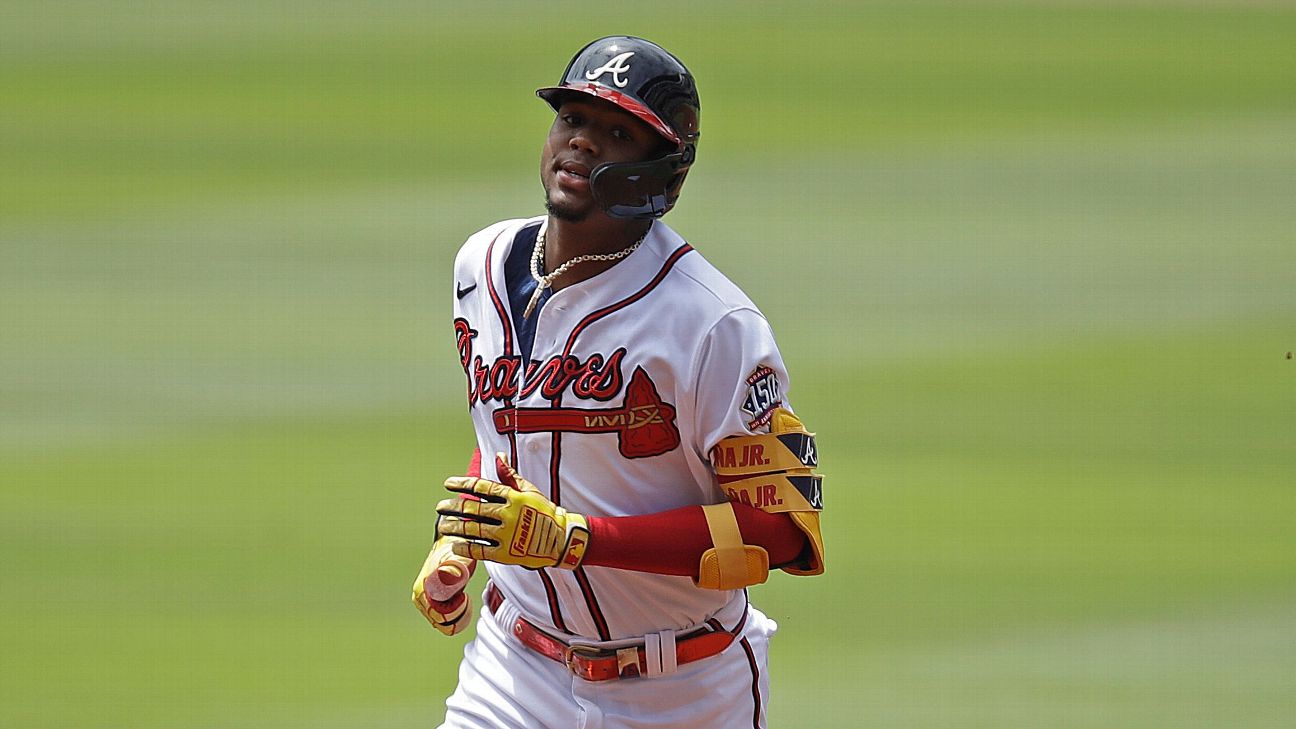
(648, 82)
(640, 189)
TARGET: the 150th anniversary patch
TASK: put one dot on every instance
(763, 395)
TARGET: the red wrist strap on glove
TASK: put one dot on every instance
(474, 470)
(474, 464)
(672, 542)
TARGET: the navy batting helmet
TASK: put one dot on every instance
(644, 79)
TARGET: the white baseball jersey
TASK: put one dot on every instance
(633, 376)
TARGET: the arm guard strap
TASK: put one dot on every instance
(730, 564)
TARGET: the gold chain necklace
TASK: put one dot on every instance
(545, 281)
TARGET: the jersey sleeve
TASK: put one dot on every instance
(742, 396)
(741, 379)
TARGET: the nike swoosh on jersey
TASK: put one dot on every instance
(460, 293)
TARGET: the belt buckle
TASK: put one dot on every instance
(570, 652)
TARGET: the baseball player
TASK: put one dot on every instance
(637, 464)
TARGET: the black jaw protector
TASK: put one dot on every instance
(641, 190)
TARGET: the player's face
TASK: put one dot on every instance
(585, 134)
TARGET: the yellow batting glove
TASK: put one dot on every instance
(439, 589)
(513, 523)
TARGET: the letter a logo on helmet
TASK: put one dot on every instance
(616, 67)
(658, 90)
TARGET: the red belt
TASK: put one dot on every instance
(601, 664)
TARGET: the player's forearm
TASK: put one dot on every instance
(672, 542)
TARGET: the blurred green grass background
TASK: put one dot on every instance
(1031, 265)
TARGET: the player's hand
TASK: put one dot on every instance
(513, 523)
(439, 588)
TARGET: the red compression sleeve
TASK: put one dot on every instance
(474, 470)
(672, 542)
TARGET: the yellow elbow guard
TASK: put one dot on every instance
(774, 472)
(730, 564)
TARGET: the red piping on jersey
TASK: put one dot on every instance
(612, 308)
(555, 452)
(600, 622)
(751, 657)
(495, 297)
(755, 670)
(508, 331)
(555, 609)
(587, 589)
(742, 619)
(551, 595)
